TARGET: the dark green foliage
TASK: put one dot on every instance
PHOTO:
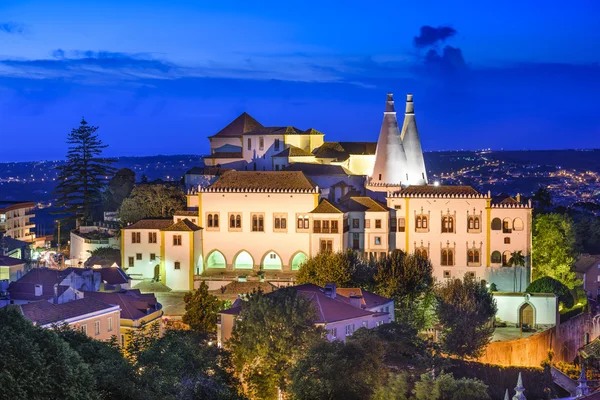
(465, 309)
(587, 233)
(537, 381)
(274, 331)
(338, 370)
(542, 200)
(140, 340)
(553, 250)
(151, 201)
(114, 375)
(547, 284)
(83, 176)
(201, 310)
(182, 365)
(118, 189)
(328, 267)
(35, 363)
(446, 387)
(401, 345)
(396, 387)
(408, 279)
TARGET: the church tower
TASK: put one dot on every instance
(390, 159)
(417, 174)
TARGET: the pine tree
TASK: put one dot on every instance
(83, 175)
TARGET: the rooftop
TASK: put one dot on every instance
(362, 203)
(242, 124)
(185, 225)
(313, 169)
(587, 261)
(43, 312)
(134, 305)
(325, 207)
(263, 181)
(14, 205)
(186, 213)
(6, 261)
(151, 224)
(294, 151)
(342, 150)
(437, 191)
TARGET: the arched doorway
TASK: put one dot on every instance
(271, 260)
(297, 260)
(157, 272)
(243, 260)
(216, 259)
(526, 315)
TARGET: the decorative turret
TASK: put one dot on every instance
(390, 159)
(582, 387)
(519, 389)
(417, 174)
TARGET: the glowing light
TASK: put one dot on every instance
(436, 183)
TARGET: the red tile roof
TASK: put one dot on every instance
(438, 190)
(151, 224)
(325, 207)
(185, 225)
(587, 261)
(330, 309)
(134, 305)
(43, 312)
(242, 124)
(362, 203)
(294, 151)
(266, 180)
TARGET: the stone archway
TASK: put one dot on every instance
(527, 315)
(271, 260)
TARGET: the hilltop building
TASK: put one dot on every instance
(339, 311)
(277, 196)
(16, 220)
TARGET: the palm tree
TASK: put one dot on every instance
(516, 259)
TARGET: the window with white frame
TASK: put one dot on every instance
(96, 328)
(349, 329)
(110, 324)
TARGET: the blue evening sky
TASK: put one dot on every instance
(160, 76)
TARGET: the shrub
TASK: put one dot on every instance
(551, 285)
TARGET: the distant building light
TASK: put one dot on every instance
(436, 183)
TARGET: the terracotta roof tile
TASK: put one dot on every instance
(587, 261)
(185, 225)
(343, 150)
(186, 213)
(313, 169)
(43, 312)
(362, 203)
(294, 151)
(269, 180)
(242, 124)
(439, 190)
(325, 207)
(134, 305)
(151, 224)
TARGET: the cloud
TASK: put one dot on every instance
(12, 28)
(430, 36)
(450, 61)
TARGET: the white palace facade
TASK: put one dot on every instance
(265, 219)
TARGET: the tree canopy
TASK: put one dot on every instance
(553, 251)
(118, 189)
(201, 309)
(445, 387)
(274, 331)
(328, 267)
(337, 370)
(183, 365)
(84, 174)
(151, 201)
(465, 309)
(37, 364)
(408, 279)
(547, 284)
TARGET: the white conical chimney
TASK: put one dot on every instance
(417, 174)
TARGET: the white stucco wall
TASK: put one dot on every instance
(545, 307)
(143, 267)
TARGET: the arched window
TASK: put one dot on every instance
(210, 221)
(425, 222)
(506, 259)
(518, 224)
(447, 257)
(496, 224)
(216, 260)
(419, 222)
(477, 222)
(473, 256)
(216, 220)
(496, 257)
(447, 224)
(422, 252)
(471, 222)
(243, 261)
(238, 221)
(277, 223)
(232, 221)
(297, 261)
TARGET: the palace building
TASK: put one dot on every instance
(270, 197)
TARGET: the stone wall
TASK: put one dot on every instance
(565, 340)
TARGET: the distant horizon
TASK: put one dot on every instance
(200, 155)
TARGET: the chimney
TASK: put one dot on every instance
(330, 290)
(519, 197)
(356, 301)
(410, 106)
(38, 290)
(389, 104)
(55, 297)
